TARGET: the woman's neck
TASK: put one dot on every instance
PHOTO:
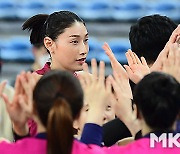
(41, 129)
(35, 66)
(146, 129)
(58, 66)
(40, 126)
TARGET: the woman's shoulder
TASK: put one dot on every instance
(141, 146)
(27, 145)
(81, 148)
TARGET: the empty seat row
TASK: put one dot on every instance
(19, 49)
(91, 10)
(16, 49)
(118, 46)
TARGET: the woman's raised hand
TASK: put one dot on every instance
(137, 68)
(97, 94)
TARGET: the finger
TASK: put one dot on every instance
(2, 86)
(177, 56)
(174, 35)
(129, 71)
(106, 47)
(6, 100)
(94, 68)
(137, 59)
(144, 61)
(171, 57)
(28, 87)
(24, 83)
(108, 85)
(23, 104)
(22, 75)
(116, 66)
(109, 53)
(114, 84)
(116, 78)
(36, 77)
(32, 79)
(26, 107)
(102, 72)
(82, 81)
(85, 68)
(129, 59)
(86, 73)
(132, 56)
(178, 39)
(176, 50)
(157, 66)
(17, 87)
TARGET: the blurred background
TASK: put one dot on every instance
(106, 20)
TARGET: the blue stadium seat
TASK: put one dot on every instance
(70, 5)
(119, 47)
(170, 9)
(19, 43)
(30, 8)
(95, 49)
(130, 10)
(96, 10)
(7, 9)
(17, 49)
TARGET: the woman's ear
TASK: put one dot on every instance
(49, 44)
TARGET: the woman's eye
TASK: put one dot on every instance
(108, 108)
(86, 40)
(75, 42)
(87, 110)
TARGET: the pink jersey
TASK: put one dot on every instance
(141, 146)
(47, 68)
(38, 146)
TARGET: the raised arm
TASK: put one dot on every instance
(118, 69)
(123, 105)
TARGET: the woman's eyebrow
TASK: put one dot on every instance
(77, 35)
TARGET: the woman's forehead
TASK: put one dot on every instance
(77, 29)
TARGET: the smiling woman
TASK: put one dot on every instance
(65, 37)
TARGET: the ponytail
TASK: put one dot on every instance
(36, 25)
(60, 128)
